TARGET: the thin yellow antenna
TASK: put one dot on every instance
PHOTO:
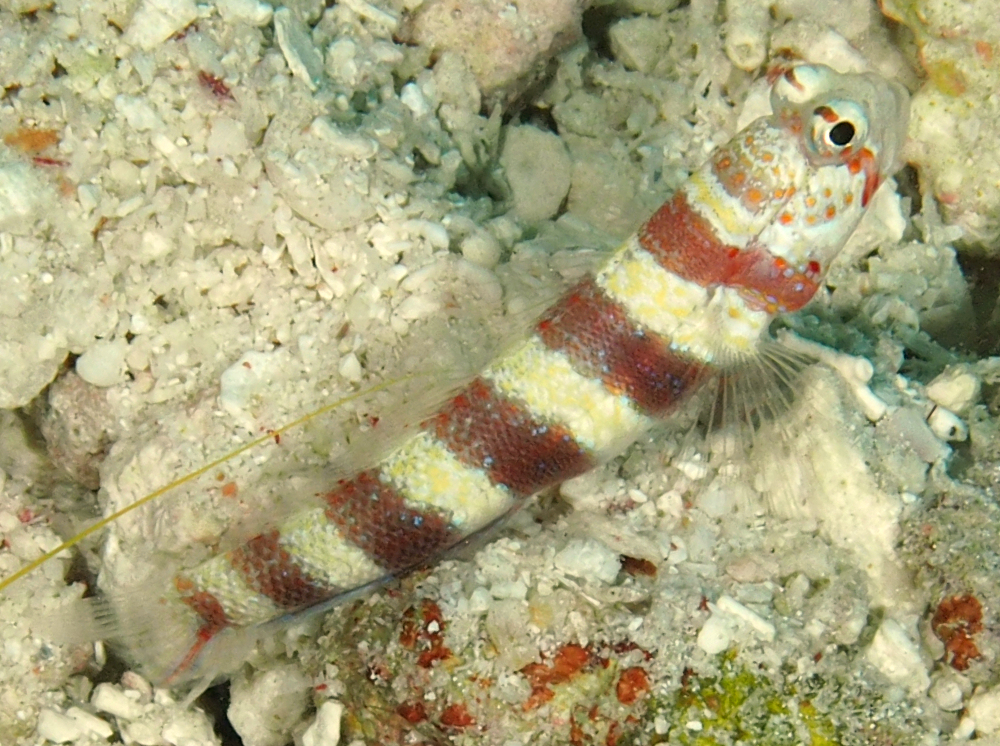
(95, 527)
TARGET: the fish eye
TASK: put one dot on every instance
(841, 133)
(837, 127)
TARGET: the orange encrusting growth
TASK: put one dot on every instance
(30, 140)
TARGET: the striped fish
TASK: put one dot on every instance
(749, 235)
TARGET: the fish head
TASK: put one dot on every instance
(834, 138)
(851, 121)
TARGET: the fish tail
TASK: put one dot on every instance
(174, 645)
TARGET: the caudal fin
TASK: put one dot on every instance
(155, 633)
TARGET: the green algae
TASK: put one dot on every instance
(739, 706)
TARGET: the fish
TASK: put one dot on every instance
(688, 297)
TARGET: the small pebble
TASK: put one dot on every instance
(350, 367)
(433, 232)
(906, 427)
(251, 11)
(538, 170)
(955, 389)
(589, 559)
(481, 248)
(90, 723)
(189, 727)
(58, 728)
(325, 729)
(293, 37)
(155, 21)
(245, 378)
(414, 100)
(135, 682)
(226, 138)
(268, 705)
(108, 698)
(947, 425)
(946, 691)
(984, 709)
(638, 43)
(964, 730)
(103, 363)
(715, 634)
(761, 626)
(8, 521)
(752, 569)
(145, 733)
(417, 307)
(894, 654)
(515, 589)
(21, 193)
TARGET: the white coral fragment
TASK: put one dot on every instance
(103, 364)
(946, 425)
(748, 24)
(984, 710)
(896, 655)
(157, 20)
(249, 11)
(22, 193)
(325, 729)
(957, 388)
(501, 42)
(588, 558)
(817, 471)
(763, 628)
(856, 372)
(538, 171)
(305, 62)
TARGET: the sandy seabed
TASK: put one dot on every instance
(217, 218)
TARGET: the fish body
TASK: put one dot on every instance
(749, 235)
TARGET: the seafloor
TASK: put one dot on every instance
(216, 218)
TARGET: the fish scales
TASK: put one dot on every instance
(749, 235)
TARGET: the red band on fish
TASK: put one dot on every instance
(214, 620)
(376, 518)
(864, 160)
(601, 342)
(271, 571)
(488, 431)
(684, 243)
(205, 605)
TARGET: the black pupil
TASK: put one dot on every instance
(841, 133)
